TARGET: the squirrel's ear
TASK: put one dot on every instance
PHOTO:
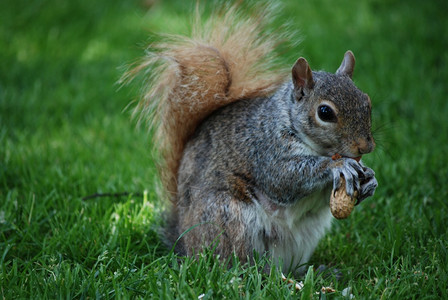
(302, 77)
(347, 65)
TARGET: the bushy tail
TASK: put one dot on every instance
(227, 58)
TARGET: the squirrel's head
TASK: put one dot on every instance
(338, 118)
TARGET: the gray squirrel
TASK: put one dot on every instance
(246, 147)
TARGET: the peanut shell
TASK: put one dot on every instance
(341, 204)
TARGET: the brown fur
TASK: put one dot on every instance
(191, 77)
(240, 188)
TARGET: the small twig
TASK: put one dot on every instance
(114, 195)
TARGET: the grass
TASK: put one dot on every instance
(64, 134)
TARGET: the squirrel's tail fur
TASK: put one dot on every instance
(227, 58)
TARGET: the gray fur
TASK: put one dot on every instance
(257, 174)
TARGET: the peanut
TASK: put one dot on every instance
(341, 204)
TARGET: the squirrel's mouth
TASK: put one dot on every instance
(358, 158)
(338, 156)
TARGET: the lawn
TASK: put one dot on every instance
(66, 133)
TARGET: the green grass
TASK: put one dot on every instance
(64, 134)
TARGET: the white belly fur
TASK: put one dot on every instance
(291, 233)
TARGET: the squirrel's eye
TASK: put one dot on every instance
(326, 114)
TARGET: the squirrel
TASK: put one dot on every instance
(246, 145)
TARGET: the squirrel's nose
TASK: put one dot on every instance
(365, 146)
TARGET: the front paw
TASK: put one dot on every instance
(351, 170)
(368, 185)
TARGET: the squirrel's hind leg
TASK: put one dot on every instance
(216, 222)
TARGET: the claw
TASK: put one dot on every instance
(360, 181)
